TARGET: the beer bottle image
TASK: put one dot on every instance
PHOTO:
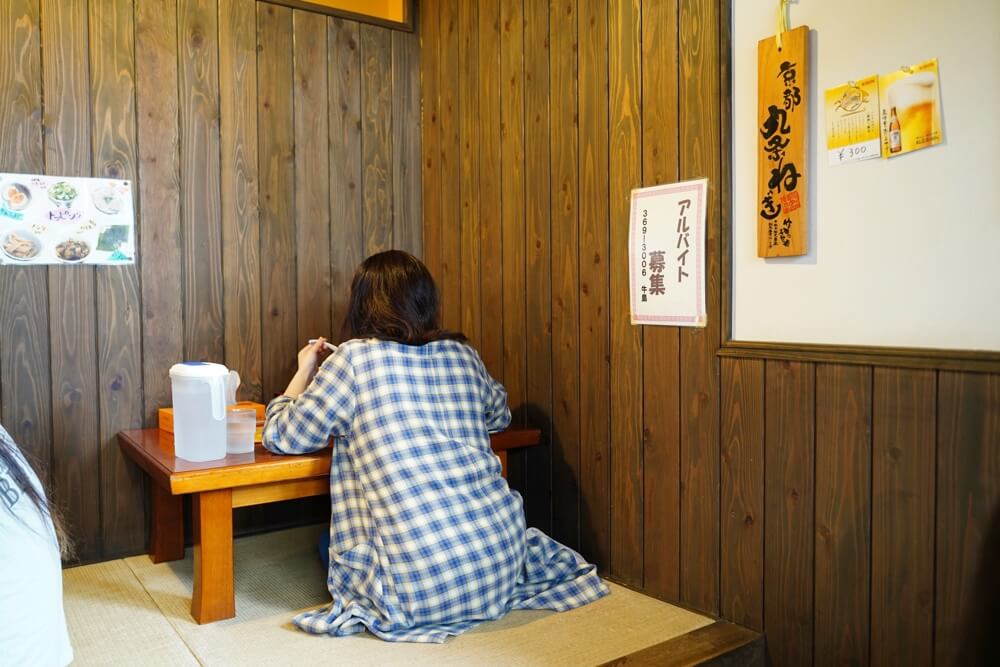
(895, 141)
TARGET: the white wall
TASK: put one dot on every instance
(902, 252)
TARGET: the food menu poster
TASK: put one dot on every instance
(65, 220)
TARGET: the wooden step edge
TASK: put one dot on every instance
(720, 644)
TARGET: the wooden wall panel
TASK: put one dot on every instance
(564, 174)
(112, 94)
(156, 64)
(490, 268)
(430, 133)
(26, 394)
(312, 176)
(538, 264)
(276, 137)
(407, 222)
(72, 318)
(742, 504)
(789, 401)
(904, 430)
(376, 143)
(660, 345)
(595, 392)
(968, 493)
(843, 514)
(625, 133)
(468, 289)
(450, 161)
(512, 225)
(347, 232)
(238, 163)
(201, 211)
(700, 150)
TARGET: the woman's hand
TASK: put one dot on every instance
(310, 359)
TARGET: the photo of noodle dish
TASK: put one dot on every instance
(16, 196)
(72, 250)
(20, 245)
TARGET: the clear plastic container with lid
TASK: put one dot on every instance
(200, 391)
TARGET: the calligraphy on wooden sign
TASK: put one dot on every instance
(783, 125)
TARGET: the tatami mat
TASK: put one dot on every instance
(113, 621)
(278, 574)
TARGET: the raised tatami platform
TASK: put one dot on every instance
(132, 612)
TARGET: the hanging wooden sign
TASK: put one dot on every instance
(783, 132)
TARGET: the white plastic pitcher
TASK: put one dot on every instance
(201, 391)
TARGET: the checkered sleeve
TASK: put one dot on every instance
(326, 408)
(495, 401)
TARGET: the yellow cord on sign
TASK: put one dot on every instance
(782, 20)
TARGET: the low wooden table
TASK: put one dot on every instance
(216, 487)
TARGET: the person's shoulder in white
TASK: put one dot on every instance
(32, 622)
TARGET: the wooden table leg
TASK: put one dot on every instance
(213, 598)
(166, 541)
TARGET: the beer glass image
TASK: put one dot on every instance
(914, 99)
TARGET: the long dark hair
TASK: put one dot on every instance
(393, 297)
(17, 464)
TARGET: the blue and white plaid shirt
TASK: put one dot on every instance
(426, 538)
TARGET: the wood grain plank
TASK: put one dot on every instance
(159, 191)
(788, 511)
(595, 353)
(73, 328)
(406, 197)
(538, 264)
(25, 380)
(512, 224)
(275, 141)
(430, 135)
(312, 175)
(742, 520)
(470, 295)
(239, 195)
(661, 360)
(699, 133)
(565, 275)
(491, 267)
(347, 217)
(450, 160)
(625, 170)
(902, 578)
(376, 142)
(843, 514)
(968, 492)
(112, 94)
(201, 211)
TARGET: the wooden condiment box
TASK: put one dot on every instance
(166, 417)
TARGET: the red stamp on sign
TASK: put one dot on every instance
(790, 202)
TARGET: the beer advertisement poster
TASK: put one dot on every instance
(667, 254)
(853, 130)
(911, 109)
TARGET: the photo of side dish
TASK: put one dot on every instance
(106, 200)
(21, 245)
(72, 250)
(15, 196)
(62, 193)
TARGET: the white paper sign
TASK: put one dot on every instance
(63, 220)
(667, 254)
